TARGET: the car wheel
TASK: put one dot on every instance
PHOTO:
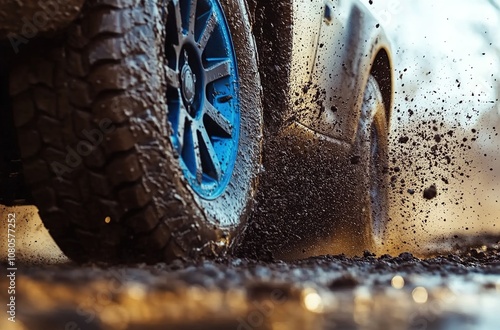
(320, 197)
(373, 148)
(140, 129)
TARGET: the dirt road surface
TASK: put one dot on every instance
(460, 291)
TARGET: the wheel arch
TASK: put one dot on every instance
(381, 70)
(375, 58)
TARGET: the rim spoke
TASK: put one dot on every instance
(192, 16)
(181, 127)
(218, 71)
(178, 18)
(197, 156)
(173, 78)
(215, 165)
(202, 93)
(207, 31)
(218, 118)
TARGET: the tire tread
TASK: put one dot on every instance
(68, 89)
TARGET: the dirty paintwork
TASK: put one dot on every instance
(312, 193)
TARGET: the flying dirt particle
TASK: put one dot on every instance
(437, 138)
(403, 139)
(431, 192)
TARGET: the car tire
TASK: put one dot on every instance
(100, 150)
(372, 143)
(316, 196)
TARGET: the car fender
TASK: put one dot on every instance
(331, 64)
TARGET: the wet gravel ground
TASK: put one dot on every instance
(456, 291)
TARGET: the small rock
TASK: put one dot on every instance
(367, 254)
(344, 282)
(406, 256)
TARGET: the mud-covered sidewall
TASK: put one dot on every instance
(373, 113)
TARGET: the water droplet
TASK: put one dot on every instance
(312, 301)
(398, 282)
(420, 295)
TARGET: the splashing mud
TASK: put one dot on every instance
(446, 123)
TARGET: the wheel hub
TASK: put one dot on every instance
(188, 79)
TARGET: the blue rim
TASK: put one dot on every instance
(202, 94)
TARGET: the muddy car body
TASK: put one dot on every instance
(335, 46)
(319, 57)
(301, 90)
